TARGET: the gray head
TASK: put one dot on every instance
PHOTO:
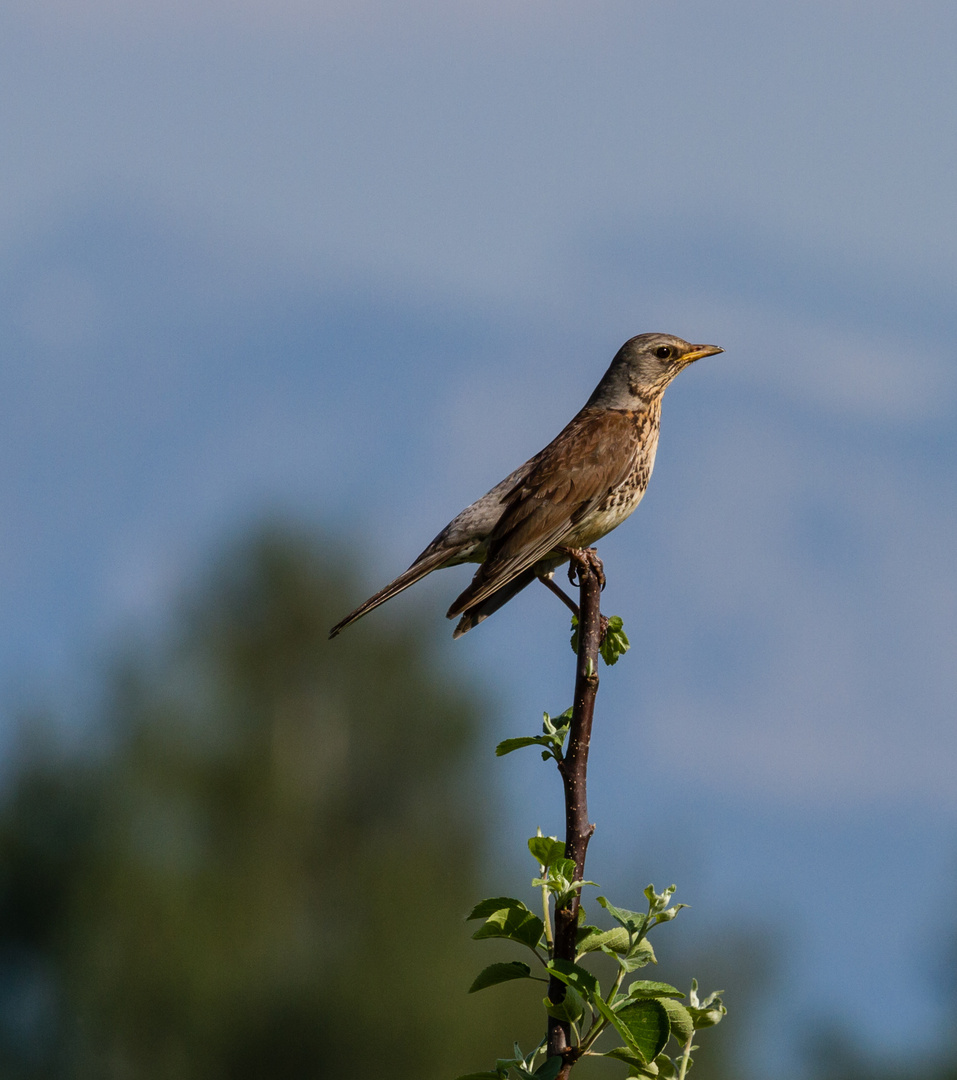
(643, 367)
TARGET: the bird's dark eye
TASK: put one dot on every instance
(663, 352)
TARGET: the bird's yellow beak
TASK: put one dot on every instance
(697, 351)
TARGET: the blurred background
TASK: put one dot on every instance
(282, 288)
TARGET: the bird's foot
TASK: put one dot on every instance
(587, 557)
(577, 557)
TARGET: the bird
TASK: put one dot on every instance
(588, 479)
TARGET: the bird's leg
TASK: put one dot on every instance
(575, 555)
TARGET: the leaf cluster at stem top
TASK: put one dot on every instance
(644, 1015)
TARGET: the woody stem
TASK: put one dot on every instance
(573, 768)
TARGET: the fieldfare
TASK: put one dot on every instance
(588, 479)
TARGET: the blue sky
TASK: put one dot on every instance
(357, 261)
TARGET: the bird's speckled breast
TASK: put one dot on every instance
(622, 500)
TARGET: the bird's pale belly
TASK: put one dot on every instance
(617, 505)
(603, 519)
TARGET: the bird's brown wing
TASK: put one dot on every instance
(592, 455)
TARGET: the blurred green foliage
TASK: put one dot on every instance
(257, 859)
(254, 859)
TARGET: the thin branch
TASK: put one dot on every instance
(549, 582)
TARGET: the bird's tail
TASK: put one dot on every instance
(474, 615)
(422, 566)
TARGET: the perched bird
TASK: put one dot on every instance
(588, 479)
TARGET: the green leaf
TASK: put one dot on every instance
(560, 729)
(648, 1023)
(586, 934)
(570, 1008)
(546, 850)
(617, 940)
(666, 1067)
(645, 1072)
(565, 869)
(515, 923)
(659, 901)
(615, 643)
(636, 957)
(647, 988)
(705, 1013)
(632, 921)
(618, 943)
(705, 1018)
(484, 908)
(521, 1072)
(482, 1076)
(682, 1024)
(643, 953)
(549, 1068)
(560, 880)
(499, 973)
(623, 1030)
(506, 746)
(573, 975)
(621, 1053)
(554, 733)
(668, 914)
(518, 1063)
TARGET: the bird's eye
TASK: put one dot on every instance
(663, 352)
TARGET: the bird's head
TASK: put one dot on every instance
(643, 367)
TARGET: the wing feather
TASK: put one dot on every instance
(570, 478)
